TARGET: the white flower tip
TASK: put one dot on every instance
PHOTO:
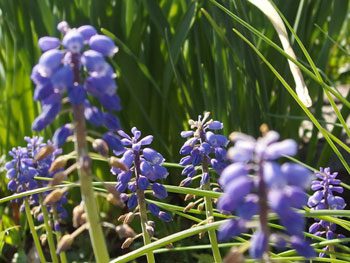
(303, 95)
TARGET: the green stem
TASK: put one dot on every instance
(48, 229)
(143, 211)
(143, 216)
(211, 233)
(63, 255)
(209, 211)
(85, 176)
(34, 233)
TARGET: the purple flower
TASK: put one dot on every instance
(326, 188)
(76, 69)
(144, 168)
(203, 147)
(47, 43)
(23, 168)
(256, 178)
(61, 134)
(103, 44)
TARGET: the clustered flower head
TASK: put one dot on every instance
(326, 186)
(24, 166)
(255, 178)
(203, 146)
(61, 72)
(143, 167)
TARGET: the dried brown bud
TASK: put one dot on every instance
(78, 211)
(189, 197)
(151, 223)
(54, 196)
(169, 246)
(189, 207)
(58, 178)
(201, 235)
(264, 128)
(44, 152)
(100, 146)
(129, 217)
(36, 210)
(150, 230)
(122, 218)
(125, 231)
(59, 163)
(200, 207)
(64, 243)
(127, 242)
(118, 201)
(43, 239)
(234, 256)
(115, 162)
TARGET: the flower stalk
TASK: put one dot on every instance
(48, 229)
(85, 175)
(33, 231)
(210, 215)
(63, 256)
(143, 210)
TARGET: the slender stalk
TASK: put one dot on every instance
(85, 175)
(263, 215)
(33, 231)
(210, 216)
(143, 211)
(63, 255)
(48, 229)
(209, 206)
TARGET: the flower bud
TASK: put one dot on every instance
(150, 230)
(189, 197)
(200, 207)
(129, 217)
(234, 256)
(100, 146)
(43, 239)
(78, 211)
(58, 178)
(64, 243)
(115, 162)
(103, 44)
(54, 196)
(59, 163)
(125, 231)
(44, 152)
(127, 242)
(189, 207)
(47, 43)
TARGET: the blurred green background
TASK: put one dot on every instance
(173, 65)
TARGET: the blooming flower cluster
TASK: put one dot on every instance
(203, 146)
(255, 183)
(146, 166)
(60, 71)
(326, 186)
(24, 166)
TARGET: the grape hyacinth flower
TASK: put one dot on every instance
(203, 147)
(143, 167)
(140, 169)
(326, 188)
(255, 183)
(22, 169)
(82, 51)
(206, 149)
